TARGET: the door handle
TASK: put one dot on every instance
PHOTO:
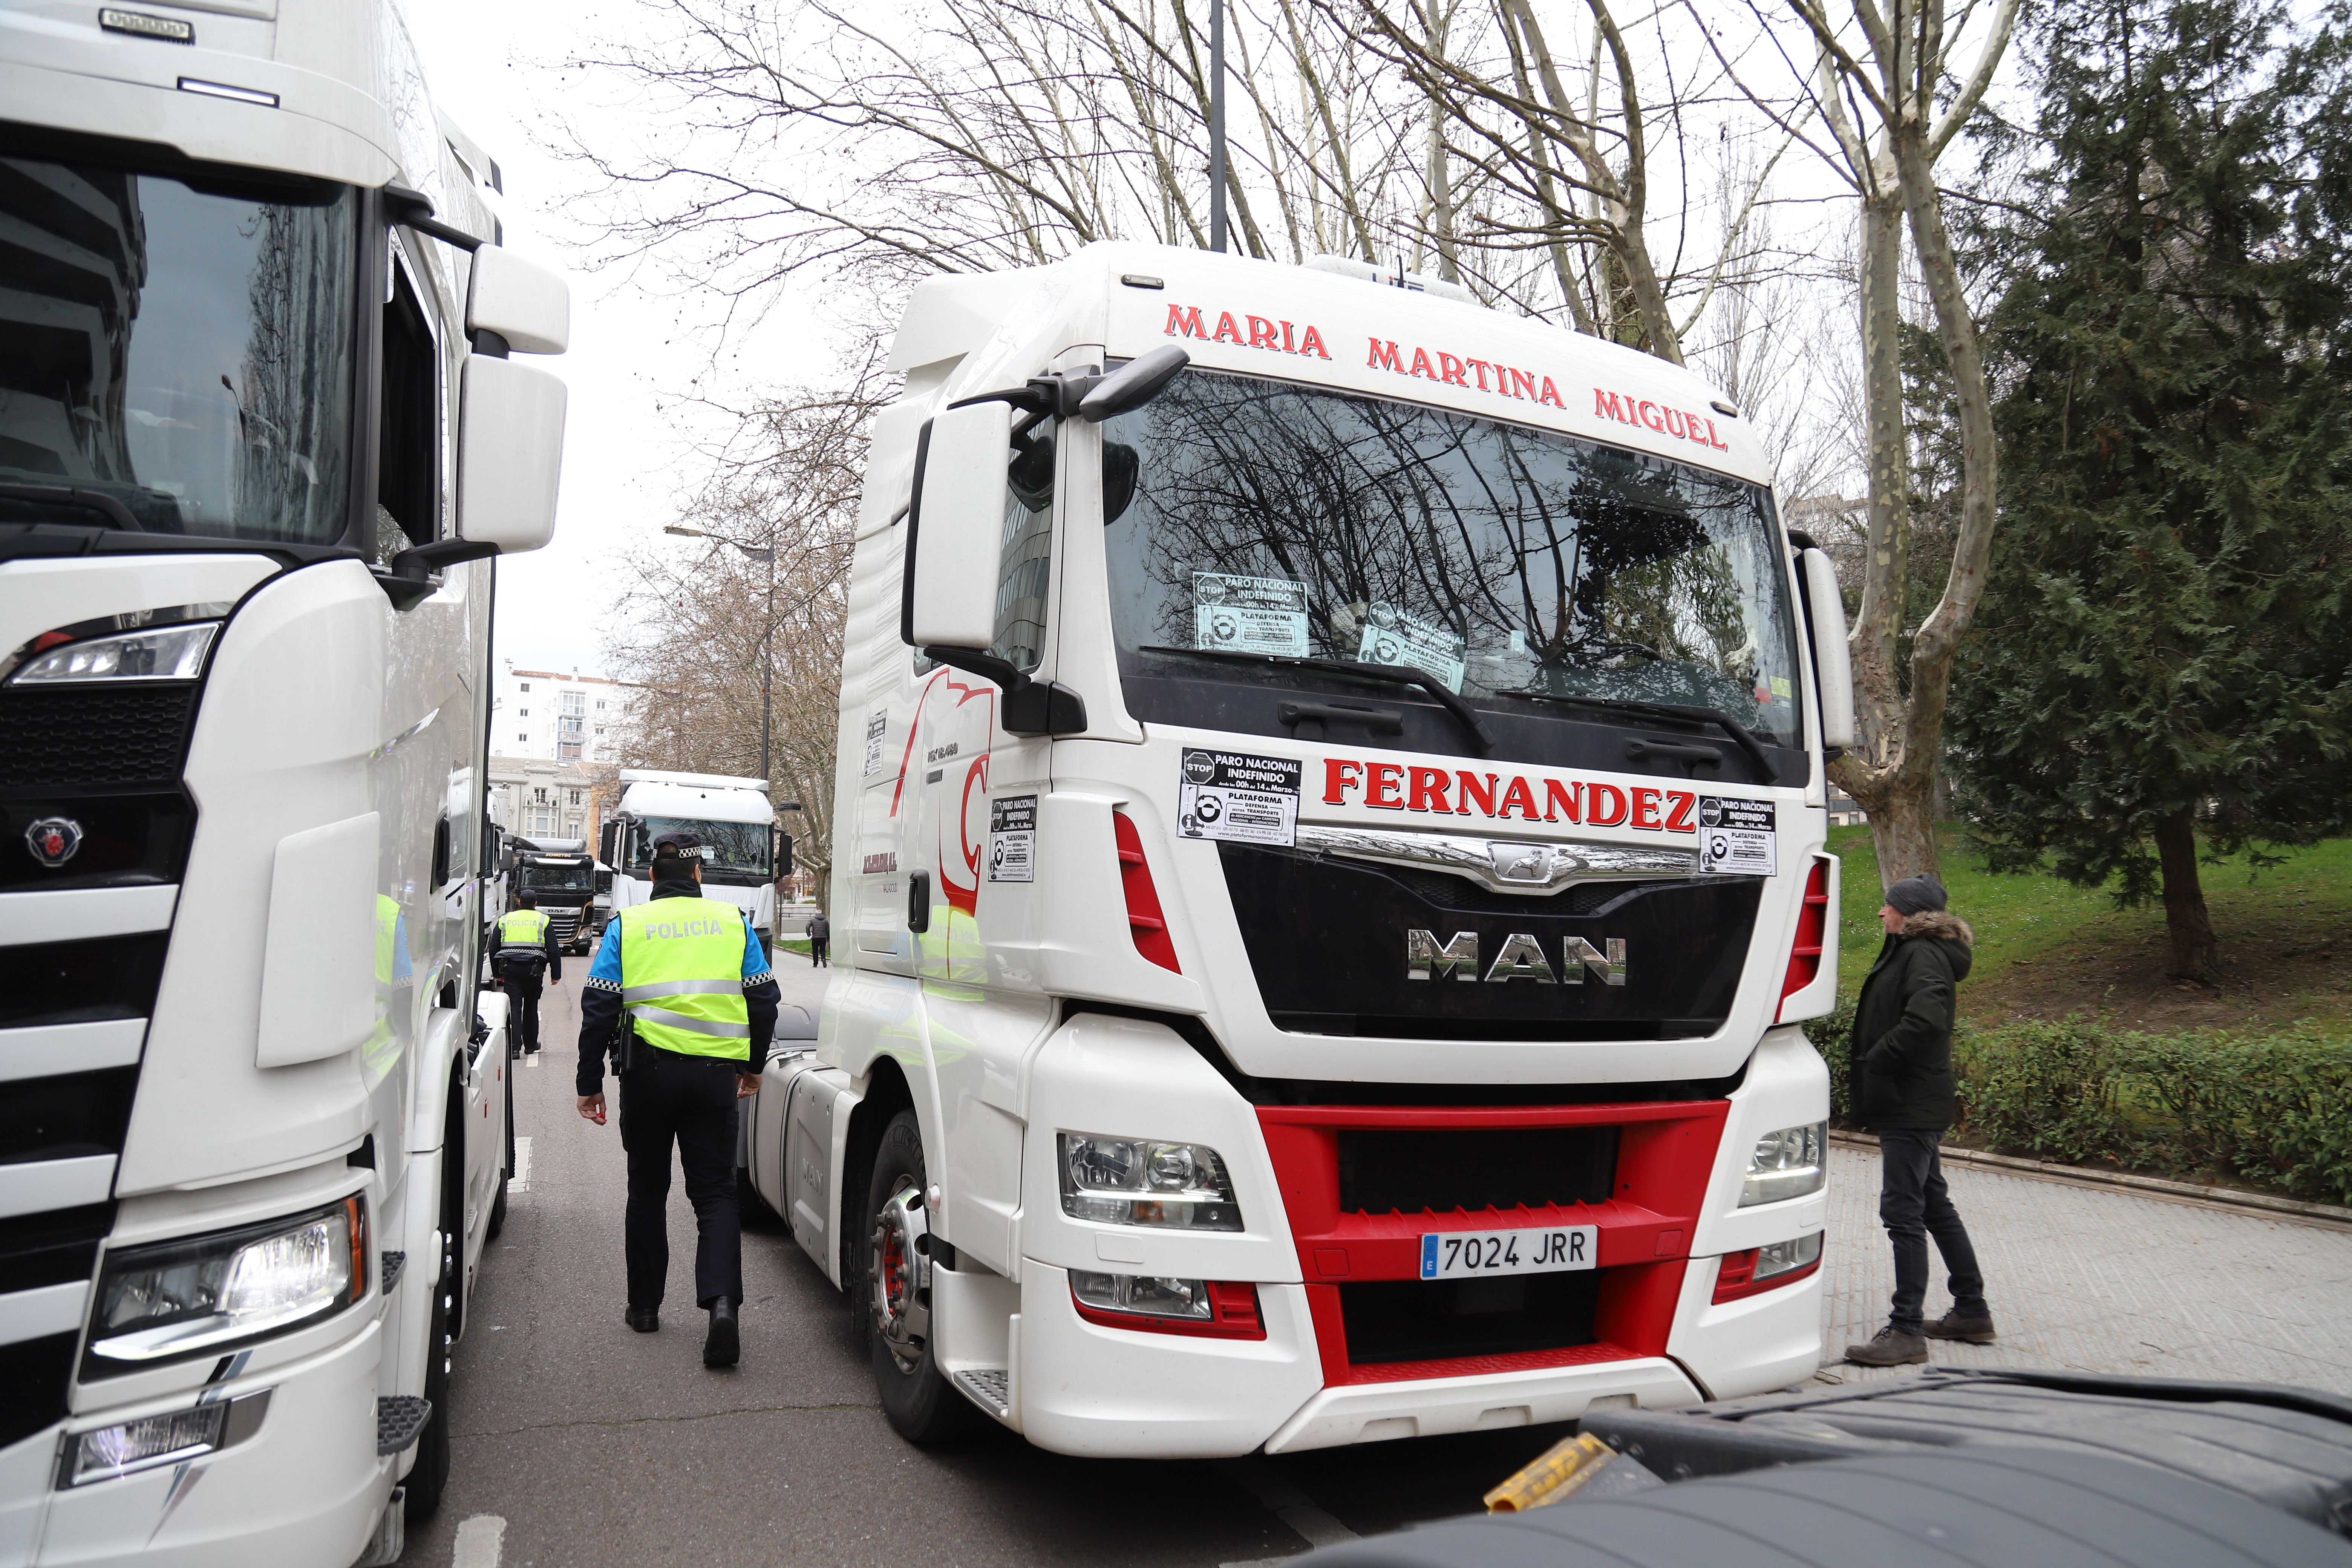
(918, 902)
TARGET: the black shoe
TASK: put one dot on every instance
(1890, 1347)
(725, 1346)
(644, 1320)
(1975, 1328)
(530, 1050)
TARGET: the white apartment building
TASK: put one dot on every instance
(556, 718)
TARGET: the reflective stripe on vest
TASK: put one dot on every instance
(687, 955)
(527, 927)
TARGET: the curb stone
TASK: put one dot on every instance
(2260, 1203)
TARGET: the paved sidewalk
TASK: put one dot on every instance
(2096, 1280)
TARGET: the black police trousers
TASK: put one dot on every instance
(522, 1009)
(689, 1101)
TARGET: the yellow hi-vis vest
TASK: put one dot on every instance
(682, 976)
(523, 928)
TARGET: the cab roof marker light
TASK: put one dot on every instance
(222, 90)
(140, 25)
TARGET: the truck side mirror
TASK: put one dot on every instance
(1833, 665)
(607, 840)
(1134, 384)
(526, 307)
(783, 857)
(509, 453)
(954, 522)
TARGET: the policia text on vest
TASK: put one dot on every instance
(681, 993)
(527, 949)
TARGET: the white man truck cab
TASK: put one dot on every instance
(1330, 874)
(263, 420)
(743, 854)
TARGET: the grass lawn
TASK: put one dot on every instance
(799, 944)
(2045, 948)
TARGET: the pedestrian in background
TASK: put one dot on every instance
(820, 935)
(681, 986)
(1903, 1088)
(527, 948)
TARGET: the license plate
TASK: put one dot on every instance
(1473, 1254)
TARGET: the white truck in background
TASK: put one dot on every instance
(742, 853)
(261, 428)
(1329, 874)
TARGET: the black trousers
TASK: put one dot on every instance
(818, 952)
(1913, 1205)
(689, 1101)
(522, 1010)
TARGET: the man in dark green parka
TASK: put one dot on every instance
(1903, 1088)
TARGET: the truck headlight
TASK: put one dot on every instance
(167, 653)
(1141, 1181)
(179, 1298)
(1787, 1164)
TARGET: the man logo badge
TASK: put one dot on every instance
(53, 840)
(1521, 957)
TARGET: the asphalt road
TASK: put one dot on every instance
(577, 1441)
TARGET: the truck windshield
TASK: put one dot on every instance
(181, 357)
(736, 848)
(1516, 566)
(556, 879)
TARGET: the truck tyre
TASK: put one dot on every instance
(922, 1405)
(430, 1474)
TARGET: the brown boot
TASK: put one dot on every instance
(1975, 1330)
(1891, 1347)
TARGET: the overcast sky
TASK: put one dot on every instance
(635, 345)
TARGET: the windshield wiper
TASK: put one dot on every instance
(1740, 732)
(1394, 674)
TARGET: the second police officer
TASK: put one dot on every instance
(527, 945)
(681, 988)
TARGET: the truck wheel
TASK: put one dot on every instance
(922, 1405)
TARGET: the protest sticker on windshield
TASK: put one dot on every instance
(1013, 838)
(1738, 837)
(1391, 636)
(1249, 615)
(1239, 799)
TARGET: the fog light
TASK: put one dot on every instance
(1218, 1308)
(1144, 1181)
(1762, 1268)
(135, 1446)
(1787, 1164)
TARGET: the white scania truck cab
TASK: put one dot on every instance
(263, 421)
(743, 854)
(1329, 869)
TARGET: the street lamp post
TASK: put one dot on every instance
(766, 552)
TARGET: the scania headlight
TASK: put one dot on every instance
(1787, 1164)
(179, 1298)
(166, 653)
(1141, 1181)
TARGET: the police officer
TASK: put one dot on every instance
(687, 982)
(527, 945)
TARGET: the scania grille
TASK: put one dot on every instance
(1362, 1185)
(80, 736)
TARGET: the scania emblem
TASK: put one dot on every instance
(53, 840)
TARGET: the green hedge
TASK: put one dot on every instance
(2272, 1107)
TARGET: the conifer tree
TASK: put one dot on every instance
(2161, 661)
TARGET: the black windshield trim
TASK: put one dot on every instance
(1388, 674)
